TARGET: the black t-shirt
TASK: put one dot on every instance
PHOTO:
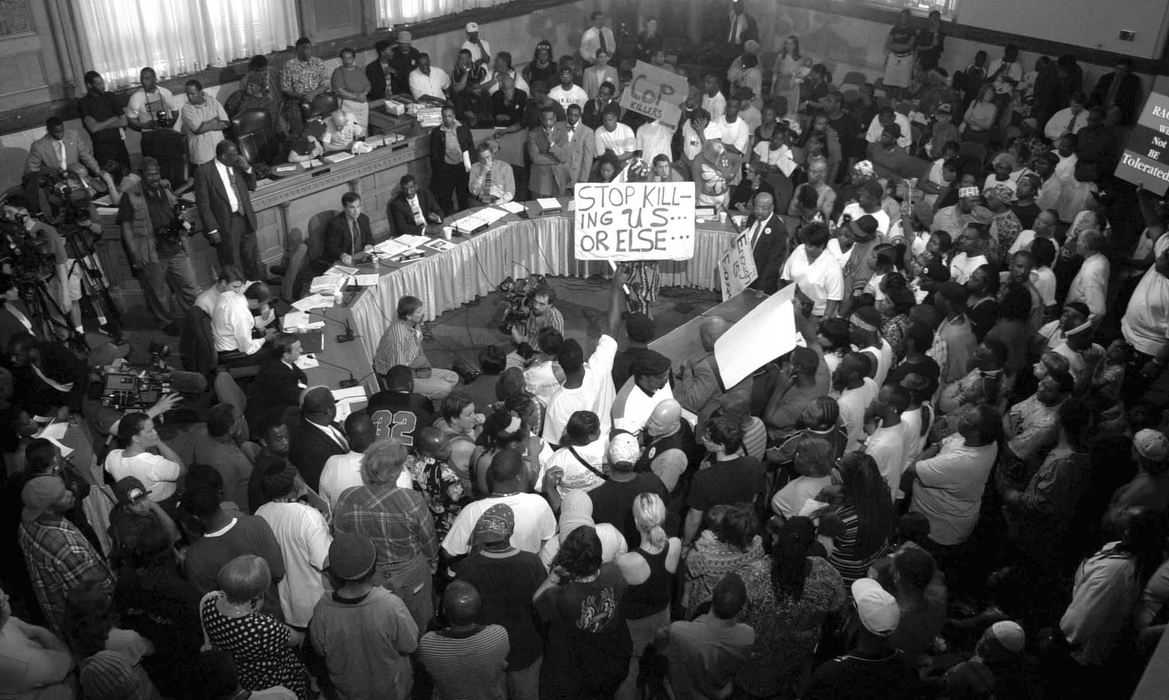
(613, 501)
(101, 107)
(848, 131)
(926, 367)
(1026, 214)
(887, 677)
(162, 607)
(738, 480)
(402, 61)
(399, 414)
(506, 585)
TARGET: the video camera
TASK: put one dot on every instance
(134, 387)
(180, 224)
(518, 300)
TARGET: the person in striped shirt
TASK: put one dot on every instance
(466, 660)
(401, 344)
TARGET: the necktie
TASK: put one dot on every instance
(233, 194)
(487, 183)
(339, 438)
(755, 233)
(418, 217)
(352, 236)
(61, 154)
(601, 35)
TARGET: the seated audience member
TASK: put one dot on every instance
(319, 436)
(428, 83)
(60, 150)
(146, 457)
(508, 104)
(663, 170)
(233, 323)
(402, 345)
(413, 209)
(348, 238)
(465, 658)
(491, 181)
(343, 471)
(278, 385)
(363, 630)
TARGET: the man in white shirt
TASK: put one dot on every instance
(817, 276)
(596, 38)
(304, 539)
(884, 118)
(428, 82)
(343, 472)
(491, 181)
(972, 246)
(654, 139)
(535, 522)
(146, 457)
(647, 386)
(856, 391)
(232, 322)
(1090, 285)
(712, 100)
(341, 130)
(1068, 120)
(204, 120)
(1146, 320)
(479, 48)
(1005, 73)
(615, 137)
(888, 439)
(503, 70)
(567, 92)
(733, 131)
(695, 132)
(151, 106)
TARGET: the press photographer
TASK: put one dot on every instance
(34, 254)
(154, 238)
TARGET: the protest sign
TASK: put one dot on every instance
(736, 268)
(655, 93)
(767, 332)
(634, 221)
(1145, 160)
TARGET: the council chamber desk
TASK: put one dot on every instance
(513, 247)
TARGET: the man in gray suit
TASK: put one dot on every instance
(61, 150)
(548, 153)
(582, 147)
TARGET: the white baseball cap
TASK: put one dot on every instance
(876, 608)
(472, 27)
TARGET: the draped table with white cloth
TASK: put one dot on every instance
(513, 247)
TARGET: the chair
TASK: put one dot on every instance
(289, 285)
(196, 345)
(255, 135)
(227, 391)
(322, 106)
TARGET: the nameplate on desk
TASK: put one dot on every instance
(311, 341)
(337, 157)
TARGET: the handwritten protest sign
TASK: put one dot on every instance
(1146, 154)
(767, 332)
(736, 268)
(634, 221)
(655, 93)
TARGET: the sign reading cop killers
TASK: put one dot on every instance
(655, 93)
(1146, 155)
(634, 221)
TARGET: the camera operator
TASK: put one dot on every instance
(542, 315)
(47, 250)
(153, 238)
(153, 110)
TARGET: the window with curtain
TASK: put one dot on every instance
(179, 36)
(391, 12)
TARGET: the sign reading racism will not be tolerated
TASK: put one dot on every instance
(634, 221)
(1145, 160)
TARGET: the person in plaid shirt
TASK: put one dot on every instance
(57, 554)
(399, 523)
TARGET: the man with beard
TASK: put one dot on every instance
(104, 120)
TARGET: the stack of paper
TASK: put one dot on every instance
(313, 301)
(513, 207)
(368, 280)
(390, 247)
(307, 361)
(299, 321)
(349, 400)
(328, 285)
(338, 157)
(412, 241)
(549, 204)
(440, 245)
(343, 270)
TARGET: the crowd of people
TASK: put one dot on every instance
(954, 486)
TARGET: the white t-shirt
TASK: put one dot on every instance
(304, 541)
(821, 280)
(1145, 324)
(735, 133)
(716, 106)
(574, 95)
(654, 139)
(620, 139)
(576, 475)
(534, 523)
(887, 447)
(594, 394)
(884, 359)
(789, 500)
(141, 106)
(632, 407)
(157, 473)
(949, 488)
(781, 157)
(855, 210)
(342, 472)
(962, 266)
(853, 403)
(1043, 279)
(540, 379)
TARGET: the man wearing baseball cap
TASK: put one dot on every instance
(57, 555)
(480, 49)
(132, 515)
(1150, 452)
(364, 631)
(613, 500)
(403, 58)
(873, 668)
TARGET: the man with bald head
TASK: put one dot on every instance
(670, 445)
(318, 436)
(699, 389)
(768, 238)
(803, 377)
(465, 659)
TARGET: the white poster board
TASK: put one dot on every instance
(767, 332)
(634, 221)
(736, 267)
(656, 93)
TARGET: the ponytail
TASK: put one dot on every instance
(649, 512)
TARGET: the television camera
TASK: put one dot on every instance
(517, 300)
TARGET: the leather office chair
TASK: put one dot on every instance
(198, 349)
(322, 106)
(255, 135)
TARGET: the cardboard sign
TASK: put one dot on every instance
(1146, 155)
(634, 221)
(736, 268)
(655, 93)
(767, 332)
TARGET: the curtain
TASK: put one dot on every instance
(179, 36)
(391, 12)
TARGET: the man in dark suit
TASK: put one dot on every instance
(398, 412)
(740, 26)
(412, 209)
(348, 238)
(1120, 89)
(451, 151)
(60, 150)
(769, 242)
(278, 385)
(222, 189)
(318, 437)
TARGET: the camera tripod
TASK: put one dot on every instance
(47, 316)
(93, 287)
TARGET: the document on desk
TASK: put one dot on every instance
(298, 321)
(549, 204)
(513, 207)
(409, 241)
(341, 270)
(313, 301)
(328, 284)
(367, 280)
(349, 400)
(440, 246)
(391, 247)
(490, 215)
(307, 361)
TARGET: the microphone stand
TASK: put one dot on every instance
(345, 337)
(345, 383)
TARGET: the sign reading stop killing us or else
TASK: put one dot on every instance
(655, 93)
(634, 221)
(1145, 160)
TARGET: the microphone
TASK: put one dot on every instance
(345, 337)
(345, 383)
